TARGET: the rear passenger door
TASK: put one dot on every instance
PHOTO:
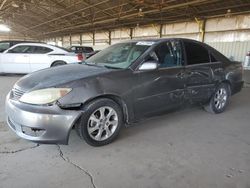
(198, 72)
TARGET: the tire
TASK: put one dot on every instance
(101, 122)
(58, 63)
(219, 100)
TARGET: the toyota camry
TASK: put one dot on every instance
(125, 83)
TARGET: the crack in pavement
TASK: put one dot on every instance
(77, 166)
(19, 150)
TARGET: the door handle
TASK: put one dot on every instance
(180, 75)
(190, 73)
(218, 70)
(177, 95)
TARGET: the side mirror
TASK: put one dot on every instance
(148, 65)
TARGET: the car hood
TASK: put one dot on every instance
(56, 76)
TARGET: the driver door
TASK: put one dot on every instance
(162, 89)
(16, 60)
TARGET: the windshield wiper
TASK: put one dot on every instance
(110, 67)
(92, 64)
(98, 65)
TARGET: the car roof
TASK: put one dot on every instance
(82, 46)
(42, 45)
(159, 40)
(19, 41)
(38, 44)
(34, 43)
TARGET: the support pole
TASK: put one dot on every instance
(93, 38)
(109, 37)
(81, 39)
(70, 40)
(160, 31)
(62, 41)
(131, 33)
(202, 29)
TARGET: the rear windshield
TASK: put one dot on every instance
(88, 49)
(82, 49)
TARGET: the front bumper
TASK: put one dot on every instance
(40, 124)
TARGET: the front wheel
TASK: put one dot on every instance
(219, 100)
(101, 122)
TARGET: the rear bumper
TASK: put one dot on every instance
(237, 87)
(40, 124)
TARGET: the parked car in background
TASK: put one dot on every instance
(6, 44)
(95, 52)
(86, 50)
(30, 57)
(122, 84)
(247, 61)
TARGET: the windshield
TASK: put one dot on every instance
(4, 46)
(120, 55)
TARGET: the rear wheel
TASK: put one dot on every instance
(58, 63)
(101, 122)
(219, 100)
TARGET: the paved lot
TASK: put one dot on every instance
(186, 149)
(246, 77)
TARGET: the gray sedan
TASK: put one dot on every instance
(120, 85)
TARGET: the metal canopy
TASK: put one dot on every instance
(50, 18)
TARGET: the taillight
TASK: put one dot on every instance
(80, 57)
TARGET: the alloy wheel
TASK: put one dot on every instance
(102, 123)
(220, 98)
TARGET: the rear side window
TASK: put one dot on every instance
(168, 54)
(41, 50)
(87, 49)
(196, 53)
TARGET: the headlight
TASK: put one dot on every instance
(44, 96)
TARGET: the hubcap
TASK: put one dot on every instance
(102, 123)
(220, 98)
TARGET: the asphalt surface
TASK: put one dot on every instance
(186, 149)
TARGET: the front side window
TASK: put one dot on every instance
(196, 53)
(120, 55)
(168, 54)
(21, 49)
